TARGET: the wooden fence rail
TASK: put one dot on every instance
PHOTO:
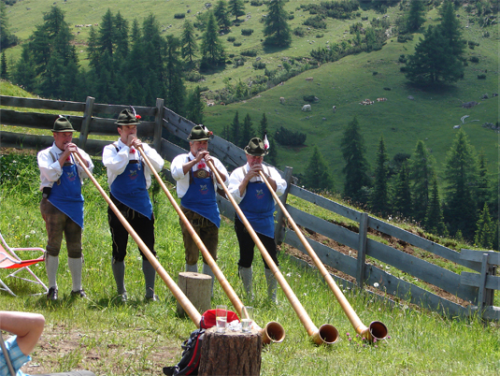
(477, 287)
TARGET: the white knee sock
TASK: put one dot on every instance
(51, 266)
(75, 267)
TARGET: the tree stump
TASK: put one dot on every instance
(197, 287)
(230, 353)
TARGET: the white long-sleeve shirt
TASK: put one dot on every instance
(116, 161)
(183, 179)
(238, 175)
(50, 168)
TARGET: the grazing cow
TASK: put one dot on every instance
(306, 107)
(282, 100)
(210, 103)
(381, 99)
(334, 108)
(456, 127)
(367, 102)
(309, 78)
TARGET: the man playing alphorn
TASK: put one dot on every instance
(257, 204)
(196, 187)
(62, 204)
(129, 179)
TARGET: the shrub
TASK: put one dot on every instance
(251, 53)
(309, 98)
(255, 3)
(259, 64)
(193, 76)
(474, 59)
(298, 31)
(289, 138)
(387, 88)
(320, 35)
(317, 22)
(402, 59)
(375, 73)
(481, 76)
(291, 16)
(364, 18)
(403, 69)
(236, 44)
(402, 38)
(179, 15)
(231, 39)
(246, 31)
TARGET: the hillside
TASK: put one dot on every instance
(430, 116)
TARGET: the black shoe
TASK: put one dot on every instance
(153, 298)
(52, 294)
(79, 293)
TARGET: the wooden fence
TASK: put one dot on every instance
(476, 287)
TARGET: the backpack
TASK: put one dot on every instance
(190, 361)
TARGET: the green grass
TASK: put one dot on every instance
(111, 338)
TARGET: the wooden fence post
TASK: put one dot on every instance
(158, 124)
(87, 118)
(279, 232)
(485, 296)
(361, 265)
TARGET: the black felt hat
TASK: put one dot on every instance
(200, 133)
(128, 117)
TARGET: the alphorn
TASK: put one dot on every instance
(186, 304)
(326, 334)
(376, 329)
(273, 331)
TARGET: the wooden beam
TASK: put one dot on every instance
(87, 118)
(279, 229)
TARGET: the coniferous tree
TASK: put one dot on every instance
(272, 157)
(237, 8)
(107, 34)
(211, 47)
(93, 53)
(194, 111)
(276, 29)
(434, 221)
(439, 57)
(188, 41)
(7, 39)
(402, 197)
(316, 176)
(421, 174)
(176, 91)
(380, 195)
(222, 15)
(24, 72)
(247, 133)
(450, 30)
(235, 130)
(485, 230)
(415, 18)
(433, 61)
(262, 126)
(121, 36)
(3, 71)
(461, 186)
(356, 169)
(483, 187)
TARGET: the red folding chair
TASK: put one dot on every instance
(10, 260)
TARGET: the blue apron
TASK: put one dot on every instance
(258, 207)
(200, 198)
(66, 194)
(130, 189)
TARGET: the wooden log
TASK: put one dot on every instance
(196, 287)
(230, 353)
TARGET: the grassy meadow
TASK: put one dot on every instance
(110, 338)
(430, 116)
